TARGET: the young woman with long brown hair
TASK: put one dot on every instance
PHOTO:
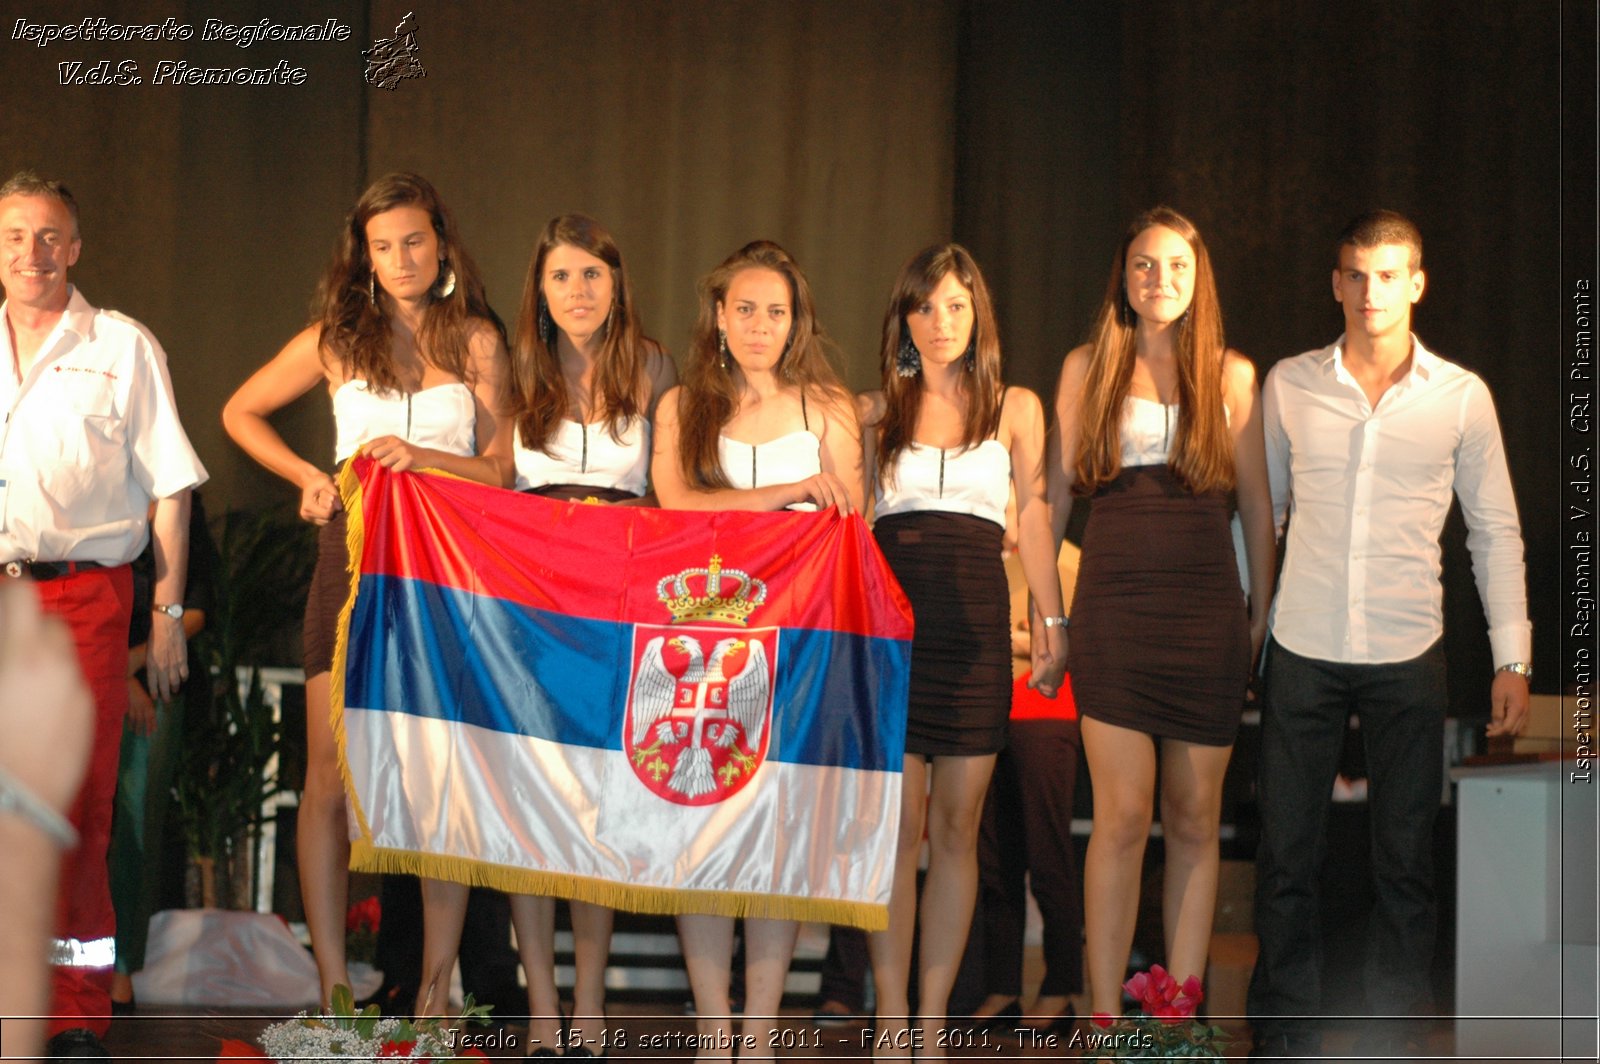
(404, 342)
(950, 442)
(760, 423)
(586, 385)
(1158, 422)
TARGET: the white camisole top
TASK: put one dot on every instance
(586, 454)
(970, 480)
(443, 417)
(791, 457)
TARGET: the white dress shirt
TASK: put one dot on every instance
(1369, 489)
(89, 437)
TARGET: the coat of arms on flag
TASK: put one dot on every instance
(652, 710)
(700, 705)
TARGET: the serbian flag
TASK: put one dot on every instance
(653, 710)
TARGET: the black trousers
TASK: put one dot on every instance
(1401, 709)
(1025, 841)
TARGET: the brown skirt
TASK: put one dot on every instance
(330, 587)
(1160, 636)
(949, 566)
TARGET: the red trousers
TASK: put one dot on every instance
(96, 605)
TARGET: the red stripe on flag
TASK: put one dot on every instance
(606, 562)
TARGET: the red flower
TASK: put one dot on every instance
(1102, 1019)
(1190, 997)
(397, 1049)
(364, 915)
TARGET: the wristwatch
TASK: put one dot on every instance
(171, 609)
(1520, 668)
(1056, 622)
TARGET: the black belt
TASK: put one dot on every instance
(47, 570)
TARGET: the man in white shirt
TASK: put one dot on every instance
(90, 435)
(1366, 440)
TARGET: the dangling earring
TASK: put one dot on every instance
(907, 360)
(372, 288)
(547, 326)
(722, 349)
(447, 281)
(969, 361)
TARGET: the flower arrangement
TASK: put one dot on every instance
(345, 1034)
(1162, 1027)
(361, 929)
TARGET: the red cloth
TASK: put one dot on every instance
(1028, 704)
(96, 605)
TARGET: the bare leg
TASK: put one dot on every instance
(768, 949)
(591, 935)
(708, 955)
(955, 807)
(444, 910)
(890, 950)
(1122, 769)
(323, 842)
(535, 920)
(1191, 808)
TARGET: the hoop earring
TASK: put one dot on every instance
(547, 325)
(447, 281)
(722, 349)
(907, 360)
(969, 361)
(372, 288)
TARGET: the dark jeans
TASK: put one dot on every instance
(1401, 708)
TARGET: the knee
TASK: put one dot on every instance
(1190, 827)
(955, 831)
(1121, 825)
(324, 793)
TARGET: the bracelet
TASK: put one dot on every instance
(1057, 622)
(17, 798)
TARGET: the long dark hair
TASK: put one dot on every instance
(1202, 454)
(982, 387)
(539, 385)
(349, 305)
(709, 396)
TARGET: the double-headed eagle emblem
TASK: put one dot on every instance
(697, 720)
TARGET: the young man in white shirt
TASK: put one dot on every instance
(1366, 440)
(90, 434)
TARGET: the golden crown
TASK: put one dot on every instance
(713, 605)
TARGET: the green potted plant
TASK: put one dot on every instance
(227, 768)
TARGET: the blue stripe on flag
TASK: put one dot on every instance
(433, 651)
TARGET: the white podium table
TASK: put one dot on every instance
(1526, 951)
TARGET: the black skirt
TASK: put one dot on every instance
(950, 568)
(1160, 636)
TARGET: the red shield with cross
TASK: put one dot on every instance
(699, 715)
